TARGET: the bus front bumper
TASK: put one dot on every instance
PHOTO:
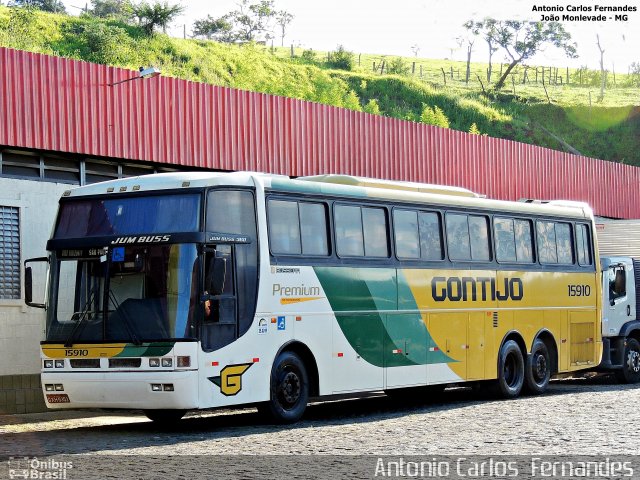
(143, 390)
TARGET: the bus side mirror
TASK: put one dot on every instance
(28, 286)
(28, 283)
(217, 273)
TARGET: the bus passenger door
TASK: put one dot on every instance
(405, 350)
(219, 323)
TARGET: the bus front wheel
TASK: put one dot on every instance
(510, 370)
(163, 416)
(289, 389)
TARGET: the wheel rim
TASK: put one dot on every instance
(633, 361)
(539, 368)
(289, 388)
(511, 373)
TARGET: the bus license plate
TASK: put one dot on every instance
(57, 398)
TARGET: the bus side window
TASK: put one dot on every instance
(583, 244)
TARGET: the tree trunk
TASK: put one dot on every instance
(466, 80)
(603, 80)
(489, 69)
(504, 76)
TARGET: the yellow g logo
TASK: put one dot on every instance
(230, 379)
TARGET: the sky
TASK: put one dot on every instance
(392, 27)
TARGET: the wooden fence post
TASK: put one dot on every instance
(444, 76)
(481, 84)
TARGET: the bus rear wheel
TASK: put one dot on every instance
(163, 416)
(510, 370)
(289, 389)
(537, 369)
(630, 372)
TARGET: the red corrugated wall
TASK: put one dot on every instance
(63, 105)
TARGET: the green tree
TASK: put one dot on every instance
(398, 66)
(252, 19)
(487, 28)
(473, 129)
(22, 31)
(473, 30)
(372, 107)
(283, 19)
(158, 14)
(434, 116)
(219, 29)
(116, 9)
(109, 45)
(309, 56)
(522, 40)
(342, 59)
(54, 6)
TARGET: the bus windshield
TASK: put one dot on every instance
(124, 294)
(128, 215)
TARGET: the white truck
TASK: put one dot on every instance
(620, 317)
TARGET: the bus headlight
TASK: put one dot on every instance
(183, 362)
(49, 387)
(154, 362)
(156, 387)
(59, 363)
(48, 364)
(167, 362)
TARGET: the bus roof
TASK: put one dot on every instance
(335, 185)
(391, 185)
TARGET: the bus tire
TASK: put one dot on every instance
(289, 389)
(164, 416)
(510, 370)
(537, 372)
(630, 372)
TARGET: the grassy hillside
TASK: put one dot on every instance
(533, 113)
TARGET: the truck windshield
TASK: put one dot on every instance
(124, 294)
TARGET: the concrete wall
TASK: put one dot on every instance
(21, 327)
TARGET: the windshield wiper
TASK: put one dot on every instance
(83, 314)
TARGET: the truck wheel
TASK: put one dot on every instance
(289, 389)
(163, 416)
(537, 370)
(510, 371)
(630, 372)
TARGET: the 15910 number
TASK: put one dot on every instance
(76, 353)
(579, 290)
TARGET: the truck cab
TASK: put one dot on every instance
(620, 324)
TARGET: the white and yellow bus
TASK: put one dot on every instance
(184, 291)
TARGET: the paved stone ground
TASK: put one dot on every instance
(574, 417)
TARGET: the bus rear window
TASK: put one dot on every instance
(128, 215)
